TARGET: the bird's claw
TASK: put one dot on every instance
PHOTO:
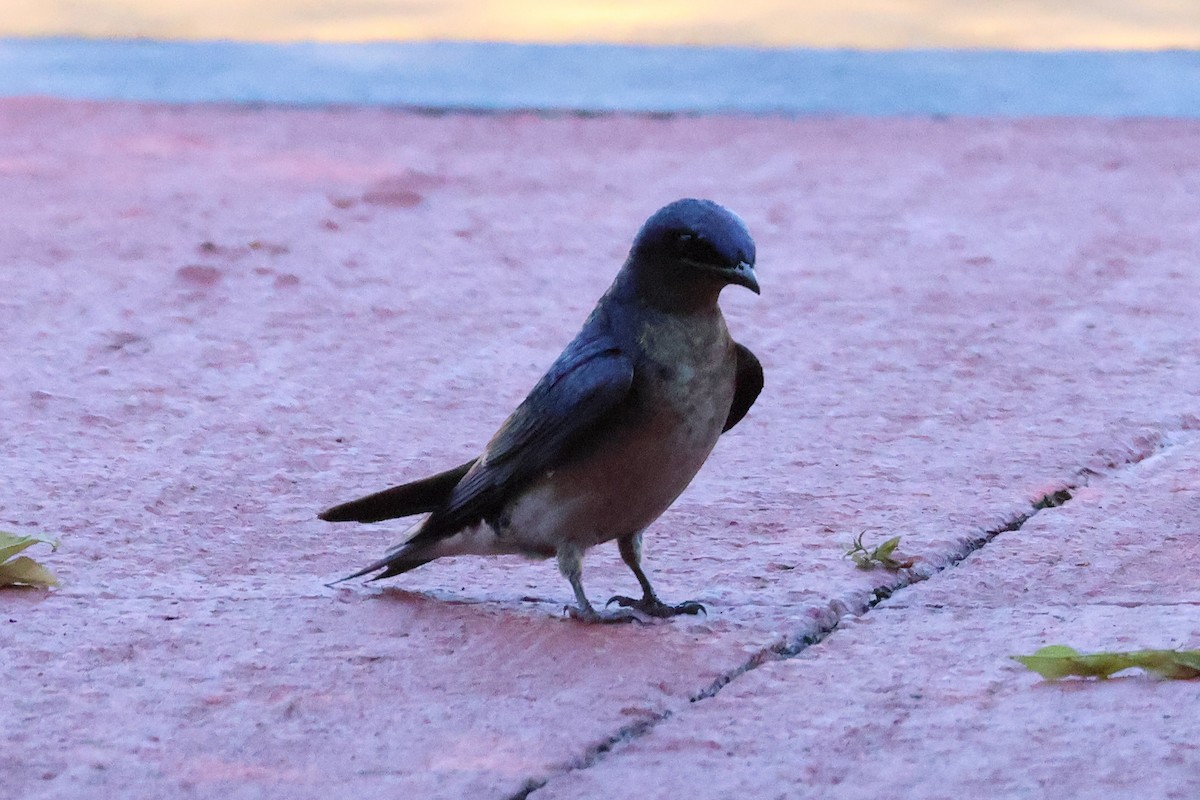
(592, 616)
(653, 607)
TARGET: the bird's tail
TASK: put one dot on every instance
(400, 559)
(417, 497)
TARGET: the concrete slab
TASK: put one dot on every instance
(220, 320)
(1127, 539)
(919, 699)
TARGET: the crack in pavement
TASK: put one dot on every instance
(839, 610)
(1051, 607)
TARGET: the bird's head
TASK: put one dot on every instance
(691, 249)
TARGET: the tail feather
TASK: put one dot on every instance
(417, 497)
(398, 561)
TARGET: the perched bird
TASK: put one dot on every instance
(612, 433)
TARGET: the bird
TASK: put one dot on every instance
(614, 431)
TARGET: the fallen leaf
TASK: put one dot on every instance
(23, 571)
(879, 556)
(1058, 661)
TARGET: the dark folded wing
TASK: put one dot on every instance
(749, 384)
(587, 382)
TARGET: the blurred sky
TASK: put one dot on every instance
(868, 24)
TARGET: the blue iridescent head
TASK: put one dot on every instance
(692, 244)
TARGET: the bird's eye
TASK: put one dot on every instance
(695, 248)
(686, 243)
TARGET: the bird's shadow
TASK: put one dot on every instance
(434, 600)
(530, 608)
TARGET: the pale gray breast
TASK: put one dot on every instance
(690, 367)
(687, 379)
(683, 389)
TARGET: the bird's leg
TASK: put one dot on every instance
(570, 564)
(631, 554)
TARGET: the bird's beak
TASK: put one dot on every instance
(743, 275)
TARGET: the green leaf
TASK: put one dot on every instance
(23, 571)
(884, 551)
(1058, 661)
(879, 556)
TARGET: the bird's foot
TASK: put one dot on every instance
(651, 606)
(592, 616)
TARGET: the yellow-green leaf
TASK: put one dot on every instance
(884, 551)
(23, 571)
(1058, 661)
(879, 556)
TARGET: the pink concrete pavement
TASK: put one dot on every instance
(219, 320)
(918, 700)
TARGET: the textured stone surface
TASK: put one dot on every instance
(219, 320)
(919, 699)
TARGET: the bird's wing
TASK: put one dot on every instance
(417, 497)
(587, 382)
(749, 384)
